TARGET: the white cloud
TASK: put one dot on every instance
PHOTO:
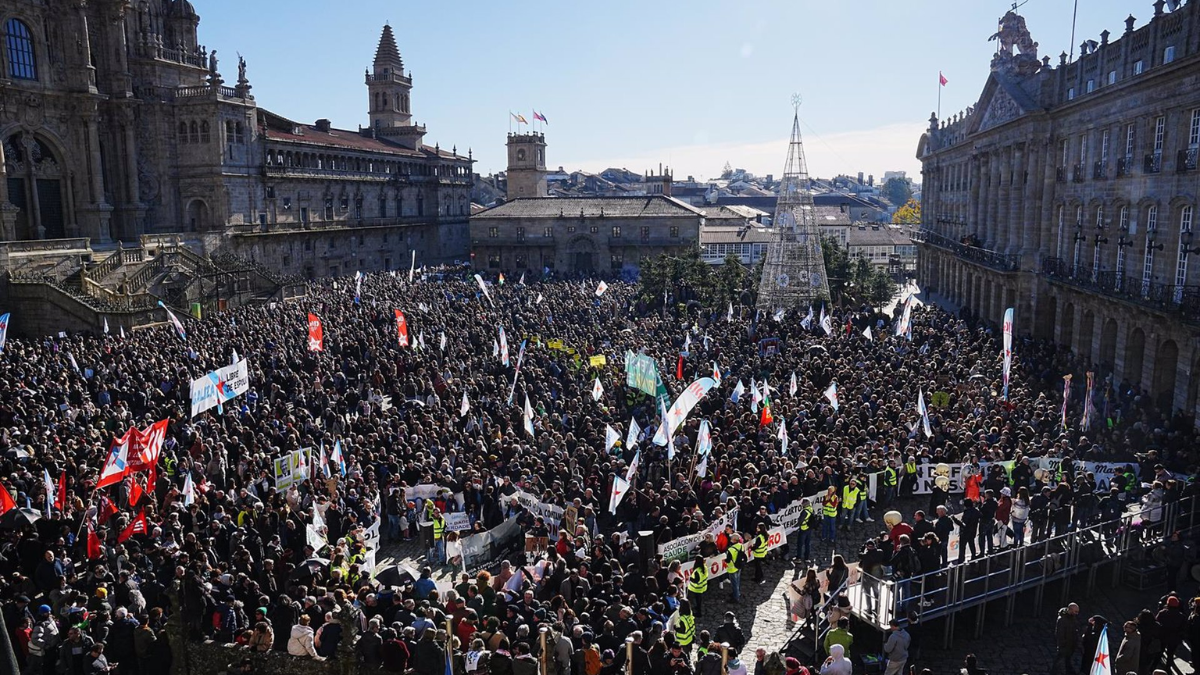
(747, 50)
(891, 147)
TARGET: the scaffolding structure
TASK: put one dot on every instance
(793, 274)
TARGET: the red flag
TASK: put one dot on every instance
(679, 368)
(942, 79)
(93, 544)
(316, 334)
(136, 526)
(105, 510)
(402, 328)
(135, 492)
(145, 446)
(60, 500)
(848, 326)
(764, 414)
(6, 501)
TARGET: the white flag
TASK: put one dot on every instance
(442, 341)
(662, 436)
(503, 348)
(783, 438)
(106, 325)
(495, 349)
(619, 488)
(754, 396)
(235, 358)
(737, 392)
(924, 413)
(73, 362)
(611, 437)
(483, 287)
(50, 491)
(806, 322)
(122, 329)
(631, 438)
(466, 405)
(189, 490)
(597, 390)
(826, 322)
(687, 342)
(421, 339)
(521, 281)
(601, 288)
(729, 314)
(792, 388)
(539, 299)
(631, 472)
(716, 371)
(528, 416)
(413, 266)
(704, 439)
(867, 333)
(702, 469)
(831, 394)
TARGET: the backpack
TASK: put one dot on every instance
(591, 662)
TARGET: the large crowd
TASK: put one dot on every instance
(230, 558)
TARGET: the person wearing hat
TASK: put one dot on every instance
(792, 667)
(1003, 516)
(42, 640)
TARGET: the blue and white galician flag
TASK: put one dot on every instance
(174, 320)
(831, 394)
(3, 330)
(704, 439)
(189, 490)
(358, 277)
(338, 457)
(528, 416)
(635, 432)
(1101, 665)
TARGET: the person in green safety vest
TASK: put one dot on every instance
(735, 557)
(697, 585)
(760, 551)
(849, 501)
(685, 626)
(908, 482)
(439, 538)
(804, 528)
(891, 479)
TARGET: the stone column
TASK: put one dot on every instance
(993, 218)
(1004, 220)
(1030, 223)
(973, 204)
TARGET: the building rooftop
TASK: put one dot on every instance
(592, 207)
(280, 128)
(877, 235)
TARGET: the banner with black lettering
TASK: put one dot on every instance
(485, 550)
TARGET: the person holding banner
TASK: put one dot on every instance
(697, 584)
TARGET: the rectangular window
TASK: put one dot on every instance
(674, 231)
(1091, 86)
(1194, 130)
(522, 261)
(1061, 232)
(645, 232)
(521, 233)
(1181, 267)
(493, 232)
(1124, 218)
(1129, 136)
(1151, 219)
(345, 203)
(22, 64)
(1083, 150)
(1120, 266)
(548, 232)
(594, 229)
(1071, 94)
(616, 261)
(616, 231)
(1112, 77)
(1185, 219)
(493, 260)
(570, 229)
(1147, 270)
(270, 192)
(383, 207)
(1138, 67)
(1169, 54)
(1160, 128)
(1063, 147)
(1104, 147)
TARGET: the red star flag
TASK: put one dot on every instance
(117, 465)
(136, 526)
(601, 288)
(597, 390)
(316, 334)
(619, 488)
(633, 466)
(1101, 665)
(611, 437)
(93, 544)
(401, 328)
(831, 394)
(6, 501)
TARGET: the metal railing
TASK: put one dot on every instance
(1077, 173)
(1153, 163)
(1177, 299)
(817, 620)
(1186, 160)
(1124, 166)
(949, 590)
(1100, 170)
(1005, 262)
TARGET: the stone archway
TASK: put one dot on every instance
(36, 187)
(196, 218)
(1066, 335)
(1108, 346)
(1087, 326)
(1047, 315)
(1166, 367)
(1135, 354)
(581, 255)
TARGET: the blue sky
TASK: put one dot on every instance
(631, 84)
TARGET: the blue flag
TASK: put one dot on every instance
(3, 330)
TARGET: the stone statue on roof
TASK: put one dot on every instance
(1017, 52)
(212, 62)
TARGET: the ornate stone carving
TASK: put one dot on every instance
(1018, 52)
(1001, 109)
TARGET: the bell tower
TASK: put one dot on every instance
(388, 90)
(527, 165)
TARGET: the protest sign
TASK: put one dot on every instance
(487, 549)
(219, 386)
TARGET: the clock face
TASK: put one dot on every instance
(782, 280)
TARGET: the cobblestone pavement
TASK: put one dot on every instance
(1025, 647)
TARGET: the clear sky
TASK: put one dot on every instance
(688, 83)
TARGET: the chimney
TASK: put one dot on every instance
(323, 125)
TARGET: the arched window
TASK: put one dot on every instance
(183, 136)
(204, 131)
(22, 64)
(194, 133)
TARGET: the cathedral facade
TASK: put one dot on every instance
(117, 125)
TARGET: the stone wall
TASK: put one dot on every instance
(210, 658)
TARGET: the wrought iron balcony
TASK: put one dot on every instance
(1124, 166)
(1077, 173)
(1100, 170)
(1178, 300)
(1004, 262)
(1060, 174)
(1153, 162)
(1186, 160)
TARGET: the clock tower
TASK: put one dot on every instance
(527, 165)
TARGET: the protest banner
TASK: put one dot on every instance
(457, 521)
(641, 373)
(550, 513)
(598, 361)
(219, 386)
(290, 469)
(487, 549)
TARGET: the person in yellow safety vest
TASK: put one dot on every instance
(685, 626)
(439, 538)
(804, 530)
(908, 483)
(760, 551)
(735, 555)
(890, 480)
(849, 500)
(829, 509)
(860, 513)
(697, 584)
(172, 465)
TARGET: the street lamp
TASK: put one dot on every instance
(1185, 244)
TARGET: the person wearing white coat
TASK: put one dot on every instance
(837, 663)
(300, 643)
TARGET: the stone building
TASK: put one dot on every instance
(117, 125)
(608, 235)
(1069, 192)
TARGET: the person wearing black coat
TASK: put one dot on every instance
(430, 657)
(969, 522)
(987, 522)
(1091, 634)
(283, 615)
(943, 527)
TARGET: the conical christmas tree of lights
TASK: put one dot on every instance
(794, 270)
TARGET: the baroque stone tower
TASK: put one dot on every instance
(527, 165)
(389, 89)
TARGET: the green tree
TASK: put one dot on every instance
(897, 191)
(855, 280)
(909, 214)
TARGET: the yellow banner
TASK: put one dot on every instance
(598, 361)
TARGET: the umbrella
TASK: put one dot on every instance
(310, 567)
(15, 519)
(814, 348)
(395, 576)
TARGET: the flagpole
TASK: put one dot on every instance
(939, 106)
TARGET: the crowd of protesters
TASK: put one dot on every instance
(232, 560)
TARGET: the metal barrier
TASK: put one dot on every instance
(817, 621)
(949, 591)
